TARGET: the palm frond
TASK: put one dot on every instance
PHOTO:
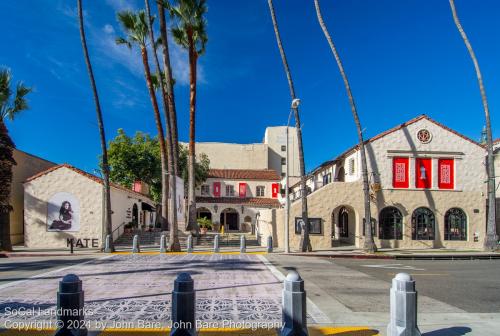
(121, 40)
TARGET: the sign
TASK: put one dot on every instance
(63, 213)
(315, 226)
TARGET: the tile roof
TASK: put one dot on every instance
(249, 201)
(87, 175)
(244, 174)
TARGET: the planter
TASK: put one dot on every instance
(203, 230)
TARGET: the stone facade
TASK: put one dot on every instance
(326, 200)
(27, 166)
(87, 190)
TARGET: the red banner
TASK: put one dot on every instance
(275, 189)
(446, 174)
(400, 173)
(423, 176)
(217, 189)
(243, 190)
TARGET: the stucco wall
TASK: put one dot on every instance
(27, 166)
(39, 191)
(234, 156)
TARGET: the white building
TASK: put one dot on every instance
(427, 188)
(64, 203)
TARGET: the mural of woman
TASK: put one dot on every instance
(65, 218)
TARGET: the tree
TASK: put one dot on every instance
(174, 237)
(369, 244)
(137, 158)
(137, 29)
(305, 244)
(169, 84)
(10, 106)
(190, 33)
(108, 226)
(491, 239)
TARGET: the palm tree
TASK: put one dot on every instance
(174, 239)
(491, 239)
(369, 244)
(9, 108)
(169, 82)
(305, 244)
(190, 33)
(108, 227)
(137, 29)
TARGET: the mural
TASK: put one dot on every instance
(63, 213)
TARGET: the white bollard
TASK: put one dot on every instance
(270, 244)
(190, 244)
(403, 307)
(243, 244)
(135, 245)
(107, 246)
(163, 243)
(294, 306)
(216, 243)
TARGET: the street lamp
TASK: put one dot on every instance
(295, 104)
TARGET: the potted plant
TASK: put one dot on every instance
(205, 224)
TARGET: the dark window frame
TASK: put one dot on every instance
(318, 221)
(460, 226)
(390, 224)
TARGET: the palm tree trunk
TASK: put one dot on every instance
(192, 224)
(6, 163)
(170, 87)
(173, 239)
(305, 244)
(108, 226)
(369, 244)
(491, 239)
(161, 140)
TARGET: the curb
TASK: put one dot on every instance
(494, 256)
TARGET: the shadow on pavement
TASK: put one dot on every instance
(452, 331)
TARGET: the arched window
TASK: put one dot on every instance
(455, 224)
(390, 224)
(343, 223)
(422, 224)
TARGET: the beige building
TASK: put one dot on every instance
(270, 154)
(233, 198)
(27, 166)
(64, 203)
(426, 185)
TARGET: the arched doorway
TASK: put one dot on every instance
(248, 227)
(390, 224)
(340, 175)
(135, 215)
(204, 213)
(230, 219)
(422, 224)
(343, 222)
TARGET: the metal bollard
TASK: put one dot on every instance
(183, 305)
(135, 245)
(270, 244)
(190, 244)
(216, 243)
(294, 306)
(403, 307)
(107, 244)
(163, 240)
(243, 244)
(70, 307)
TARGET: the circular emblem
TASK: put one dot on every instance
(424, 136)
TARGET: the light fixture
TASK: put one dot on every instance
(295, 103)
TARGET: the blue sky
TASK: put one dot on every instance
(403, 59)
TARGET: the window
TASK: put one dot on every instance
(205, 190)
(341, 175)
(327, 178)
(230, 190)
(260, 191)
(390, 224)
(351, 166)
(283, 148)
(423, 173)
(400, 173)
(343, 223)
(315, 225)
(283, 161)
(446, 174)
(455, 225)
(422, 224)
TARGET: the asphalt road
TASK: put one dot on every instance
(471, 285)
(21, 268)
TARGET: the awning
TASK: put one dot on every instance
(147, 207)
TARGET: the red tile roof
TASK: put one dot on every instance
(244, 174)
(496, 141)
(248, 201)
(87, 175)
